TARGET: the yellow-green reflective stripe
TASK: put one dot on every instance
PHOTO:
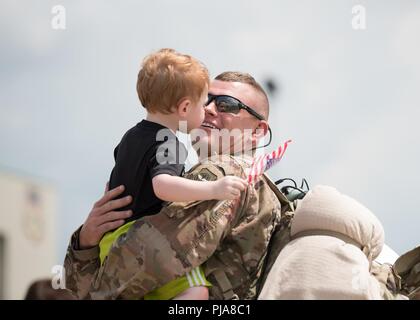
(179, 285)
(190, 281)
(170, 290)
(201, 276)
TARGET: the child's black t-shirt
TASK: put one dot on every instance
(145, 151)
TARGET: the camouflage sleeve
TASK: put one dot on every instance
(162, 247)
(80, 267)
(407, 268)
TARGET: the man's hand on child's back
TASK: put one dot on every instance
(229, 188)
(103, 217)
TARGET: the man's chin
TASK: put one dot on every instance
(203, 144)
(207, 129)
(211, 143)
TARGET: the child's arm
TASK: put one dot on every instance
(174, 188)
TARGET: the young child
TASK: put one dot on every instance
(149, 160)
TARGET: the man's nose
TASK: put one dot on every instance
(210, 109)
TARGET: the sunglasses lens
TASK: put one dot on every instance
(230, 104)
(227, 104)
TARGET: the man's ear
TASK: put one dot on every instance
(183, 107)
(260, 132)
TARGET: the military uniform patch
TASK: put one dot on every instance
(204, 174)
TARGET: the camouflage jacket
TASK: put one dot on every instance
(229, 239)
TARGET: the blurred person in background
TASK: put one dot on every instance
(42, 290)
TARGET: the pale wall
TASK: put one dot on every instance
(28, 227)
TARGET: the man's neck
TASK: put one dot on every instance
(167, 120)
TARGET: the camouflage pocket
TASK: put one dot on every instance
(179, 210)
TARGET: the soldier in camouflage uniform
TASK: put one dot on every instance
(236, 243)
(230, 239)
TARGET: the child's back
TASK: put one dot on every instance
(167, 82)
(136, 163)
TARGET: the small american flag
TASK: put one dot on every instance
(264, 162)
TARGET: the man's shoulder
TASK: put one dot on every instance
(218, 166)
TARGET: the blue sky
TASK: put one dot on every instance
(349, 99)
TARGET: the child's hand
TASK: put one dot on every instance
(228, 188)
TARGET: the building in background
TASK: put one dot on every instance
(27, 233)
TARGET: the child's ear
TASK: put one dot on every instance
(183, 107)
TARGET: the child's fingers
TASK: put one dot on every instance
(235, 192)
(238, 186)
(244, 183)
(241, 181)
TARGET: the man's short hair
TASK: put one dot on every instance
(167, 77)
(236, 76)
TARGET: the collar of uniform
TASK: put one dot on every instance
(231, 165)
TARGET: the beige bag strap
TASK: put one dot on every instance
(285, 203)
(318, 232)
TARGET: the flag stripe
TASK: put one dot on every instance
(263, 163)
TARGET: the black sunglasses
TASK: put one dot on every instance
(225, 103)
